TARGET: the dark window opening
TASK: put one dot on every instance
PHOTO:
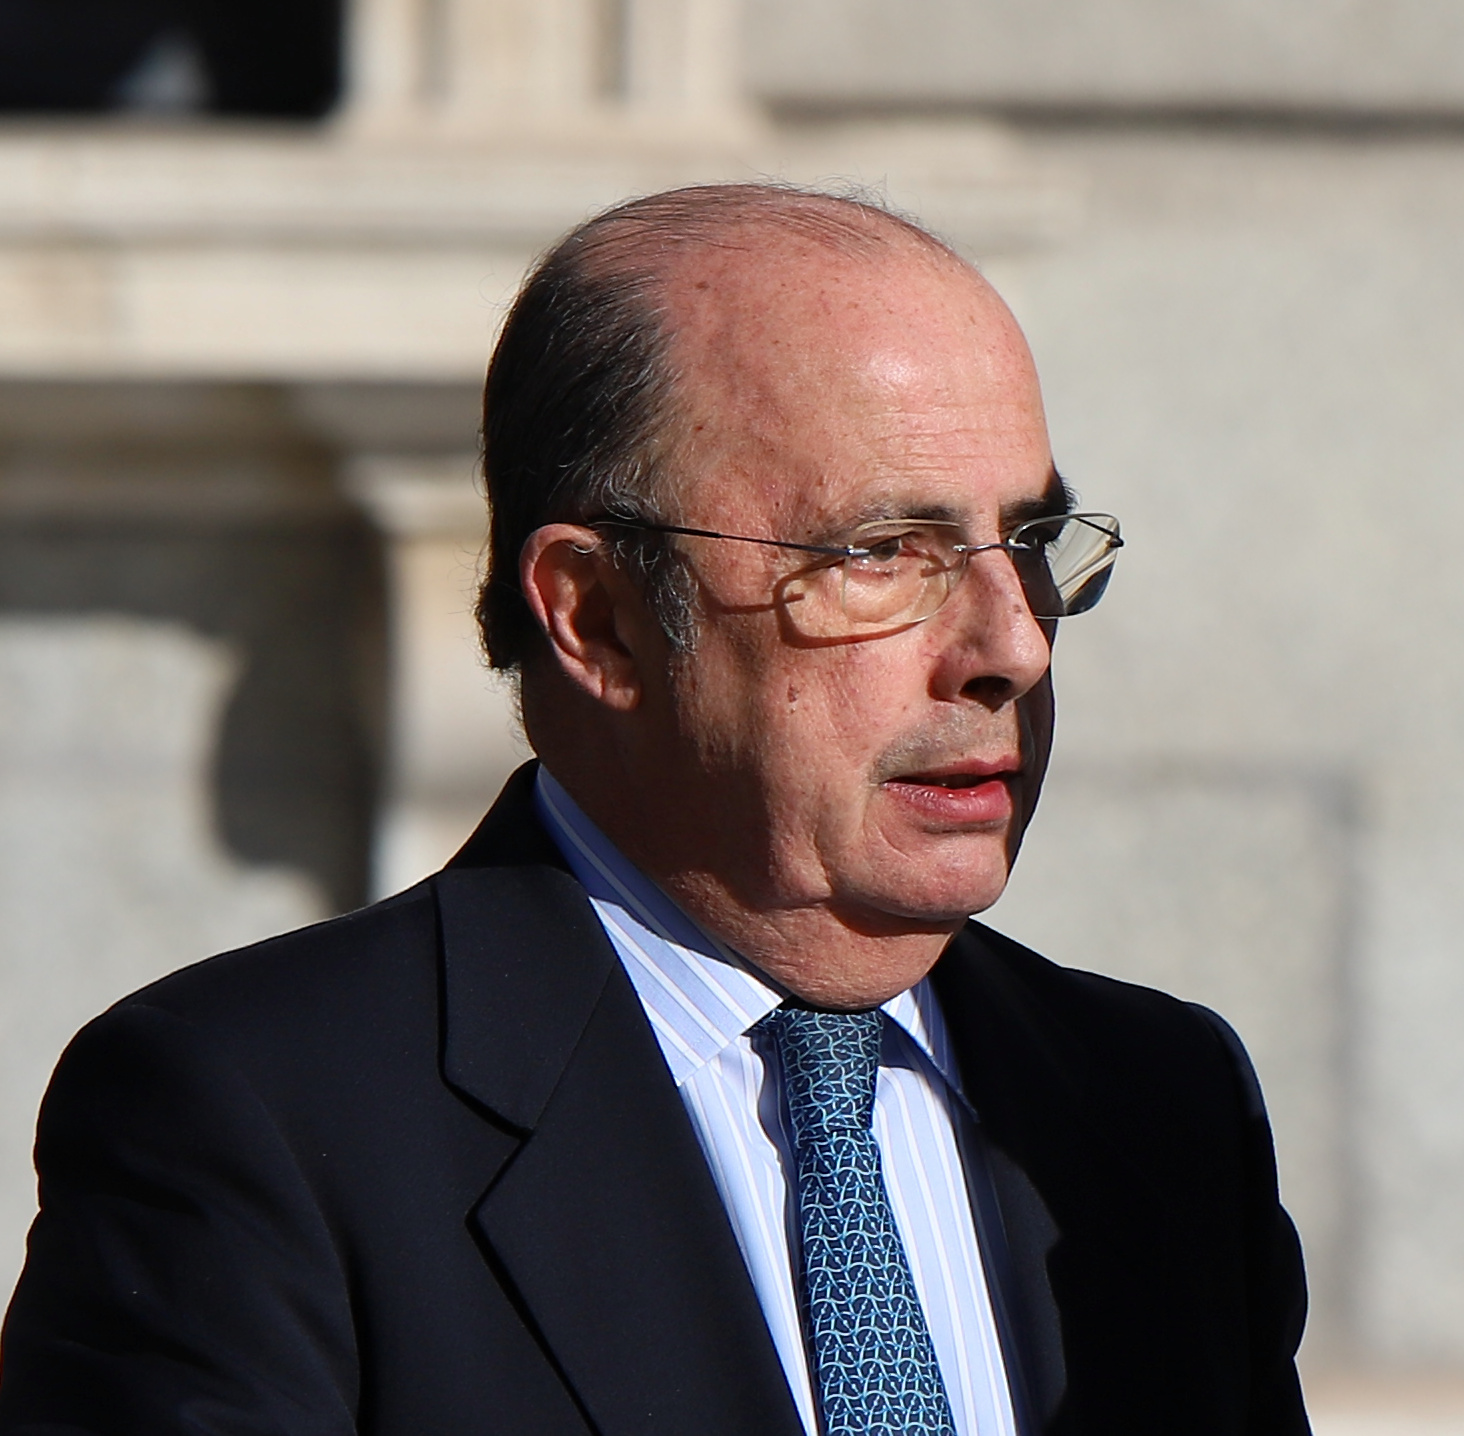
(278, 58)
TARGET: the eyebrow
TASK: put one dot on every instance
(1055, 499)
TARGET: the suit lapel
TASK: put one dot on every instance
(1086, 1226)
(605, 1222)
(1017, 1232)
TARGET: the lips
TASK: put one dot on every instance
(946, 780)
(965, 794)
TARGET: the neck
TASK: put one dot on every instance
(825, 956)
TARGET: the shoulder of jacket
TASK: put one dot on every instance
(372, 945)
(1099, 1011)
(1054, 981)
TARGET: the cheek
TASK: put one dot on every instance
(835, 712)
(797, 728)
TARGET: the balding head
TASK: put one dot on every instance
(785, 348)
(589, 394)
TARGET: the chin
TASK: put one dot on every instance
(947, 888)
(940, 904)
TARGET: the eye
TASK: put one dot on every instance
(886, 548)
(1040, 534)
(907, 540)
(917, 546)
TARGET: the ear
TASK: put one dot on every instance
(596, 621)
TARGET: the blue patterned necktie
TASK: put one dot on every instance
(874, 1366)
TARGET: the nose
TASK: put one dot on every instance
(995, 651)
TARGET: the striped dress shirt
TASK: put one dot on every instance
(702, 1001)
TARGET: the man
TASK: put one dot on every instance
(687, 1099)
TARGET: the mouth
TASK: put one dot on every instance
(968, 794)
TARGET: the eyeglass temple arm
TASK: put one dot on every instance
(1114, 540)
(839, 551)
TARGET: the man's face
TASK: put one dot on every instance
(887, 779)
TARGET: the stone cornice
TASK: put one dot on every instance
(234, 251)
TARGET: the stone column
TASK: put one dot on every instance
(683, 57)
(385, 65)
(583, 69)
(505, 62)
(454, 736)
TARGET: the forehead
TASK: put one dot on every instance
(819, 389)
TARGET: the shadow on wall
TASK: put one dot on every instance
(207, 506)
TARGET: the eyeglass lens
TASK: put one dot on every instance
(1065, 563)
(907, 571)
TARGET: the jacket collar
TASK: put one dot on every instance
(525, 961)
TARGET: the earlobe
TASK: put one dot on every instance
(579, 598)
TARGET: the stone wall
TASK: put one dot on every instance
(1303, 56)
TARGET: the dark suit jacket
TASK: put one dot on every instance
(421, 1171)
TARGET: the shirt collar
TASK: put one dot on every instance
(700, 994)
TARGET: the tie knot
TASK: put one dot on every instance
(830, 1063)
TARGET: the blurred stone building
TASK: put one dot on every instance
(238, 526)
